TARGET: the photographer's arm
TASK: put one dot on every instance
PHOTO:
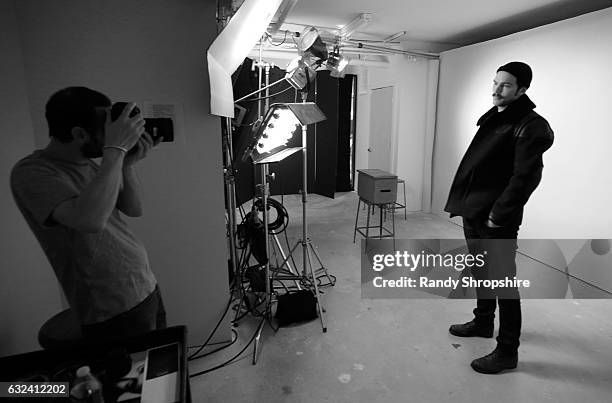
(90, 211)
(131, 193)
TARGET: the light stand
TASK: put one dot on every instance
(305, 114)
(305, 241)
(265, 189)
(230, 202)
(269, 145)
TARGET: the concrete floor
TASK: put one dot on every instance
(399, 350)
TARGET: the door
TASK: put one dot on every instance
(381, 124)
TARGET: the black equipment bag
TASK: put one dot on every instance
(296, 306)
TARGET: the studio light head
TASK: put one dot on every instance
(336, 63)
(270, 139)
(309, 41)
(299, 73)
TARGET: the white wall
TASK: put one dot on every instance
(571, 60)
(412, 119)
(144, 51)
(28, 291)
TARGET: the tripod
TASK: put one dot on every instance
(307, 273)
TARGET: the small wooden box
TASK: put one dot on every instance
(377, 186)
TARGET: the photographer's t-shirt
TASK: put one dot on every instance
(102, 274)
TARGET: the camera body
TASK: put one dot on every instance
(156, 127)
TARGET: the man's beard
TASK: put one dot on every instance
(92, 149)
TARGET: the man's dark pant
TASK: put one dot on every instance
(499, 246)
(149, 315)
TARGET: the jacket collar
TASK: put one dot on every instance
(514, 111)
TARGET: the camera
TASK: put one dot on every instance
(156, 127)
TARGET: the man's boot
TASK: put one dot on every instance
(471, 329)
(495, 362)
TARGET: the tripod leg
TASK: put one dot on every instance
(286, 261)
(316, 287)
(238, 287)
(356, 220)
(282, 252)
(393, 227)
(380, 221)
(322, 268)
(258, 340)
(368, 222)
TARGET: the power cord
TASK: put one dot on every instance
(231, 359)
(192, 356)
(234, 339)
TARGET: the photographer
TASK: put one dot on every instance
(72, 206)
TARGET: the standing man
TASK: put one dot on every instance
(72, 205)
(499, 171)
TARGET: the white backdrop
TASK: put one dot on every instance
(571, 60)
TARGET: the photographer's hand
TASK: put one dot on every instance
(124, 132)
(144, 144)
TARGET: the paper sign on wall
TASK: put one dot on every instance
(169, 111)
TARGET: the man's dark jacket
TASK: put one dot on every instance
(502, 166)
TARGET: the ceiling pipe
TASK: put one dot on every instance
(354, 61)
(414, 53)
(393, 37)
(281, 15)
(289, 53)
(354, 46)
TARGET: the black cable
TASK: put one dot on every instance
(231, 359)
(244, 259)
(282, 216)
(214, 330)
(235, 338)
(269, 38)
(251, 309)
(210, 344)
(268, 316)
(286, 237)
(330, 282)
(248, 124)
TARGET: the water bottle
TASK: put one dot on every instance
(86, 386)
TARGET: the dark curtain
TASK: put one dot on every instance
(329, 149)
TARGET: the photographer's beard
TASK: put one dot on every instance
(93, 148)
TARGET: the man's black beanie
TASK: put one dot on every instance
(520, 70)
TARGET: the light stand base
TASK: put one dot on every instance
(308, 275)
